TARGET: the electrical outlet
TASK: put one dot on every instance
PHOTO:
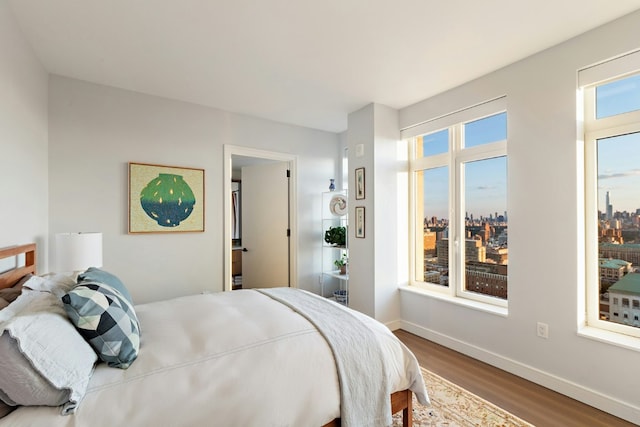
(543, 330)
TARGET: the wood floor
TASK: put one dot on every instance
(536, 404)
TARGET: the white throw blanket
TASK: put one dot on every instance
(360, 360)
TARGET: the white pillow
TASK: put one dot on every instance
(57, 284)
(43, 359)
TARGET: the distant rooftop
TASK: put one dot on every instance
(629, 284)
(618, 245)
(613, 263)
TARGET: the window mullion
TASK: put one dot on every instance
(489, 151)
(413, 200)
(618, 121)
(456, 219)
(430, 162)
(591, 229)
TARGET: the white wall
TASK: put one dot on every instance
(23, 141)
(94, 131)
(387, 183)
(544, 229)
(362, 251)
(373, 268)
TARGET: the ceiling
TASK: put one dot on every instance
(302, 62)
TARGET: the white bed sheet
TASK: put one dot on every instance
(227, 359)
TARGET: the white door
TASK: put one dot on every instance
(265, 225)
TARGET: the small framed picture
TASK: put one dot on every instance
(360, 184)
(360, 222)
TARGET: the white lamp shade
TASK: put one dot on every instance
(78, 251)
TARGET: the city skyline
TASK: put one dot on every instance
(618, 172)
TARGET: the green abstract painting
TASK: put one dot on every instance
(165, 199)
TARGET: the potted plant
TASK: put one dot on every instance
(342, 264)
(336, 236)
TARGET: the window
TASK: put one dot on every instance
(458, 203)
(611, 97)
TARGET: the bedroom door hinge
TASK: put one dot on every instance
(288, 232)
(288, 173)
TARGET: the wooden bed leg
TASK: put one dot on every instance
(402, 401)
(407, 413)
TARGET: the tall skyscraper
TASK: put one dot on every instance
(609, 207)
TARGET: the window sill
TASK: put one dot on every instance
(474, 305)
(609, 337)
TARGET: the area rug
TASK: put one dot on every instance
(453, 406)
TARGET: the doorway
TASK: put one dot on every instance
(259, 261)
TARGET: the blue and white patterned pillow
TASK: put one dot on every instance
(106, 320)
(97, 275)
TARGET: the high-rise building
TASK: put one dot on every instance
(429, 243)
(475, 250)
(485, 232)
(609, 207)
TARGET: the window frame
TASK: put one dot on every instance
(594, 130)
(454, 159)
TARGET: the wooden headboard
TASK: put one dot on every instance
(10, 277)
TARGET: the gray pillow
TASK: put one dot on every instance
(43, 359)
(97, 275)
(106, 320)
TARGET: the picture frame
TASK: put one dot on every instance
(360, 184)
(165, 199)
(360, 222)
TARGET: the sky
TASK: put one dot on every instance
(485, 180)
(619, 172)
(619, 157)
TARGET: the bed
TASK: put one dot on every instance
(243, 358)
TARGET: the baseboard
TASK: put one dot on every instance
(575, 391)
(394, 325)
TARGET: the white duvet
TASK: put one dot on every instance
(228, 359)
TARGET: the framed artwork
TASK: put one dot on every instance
(165, 199)
(360, 184)
(360, 222)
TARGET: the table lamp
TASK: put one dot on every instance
(75, 252)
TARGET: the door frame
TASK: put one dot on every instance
(228, 152)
